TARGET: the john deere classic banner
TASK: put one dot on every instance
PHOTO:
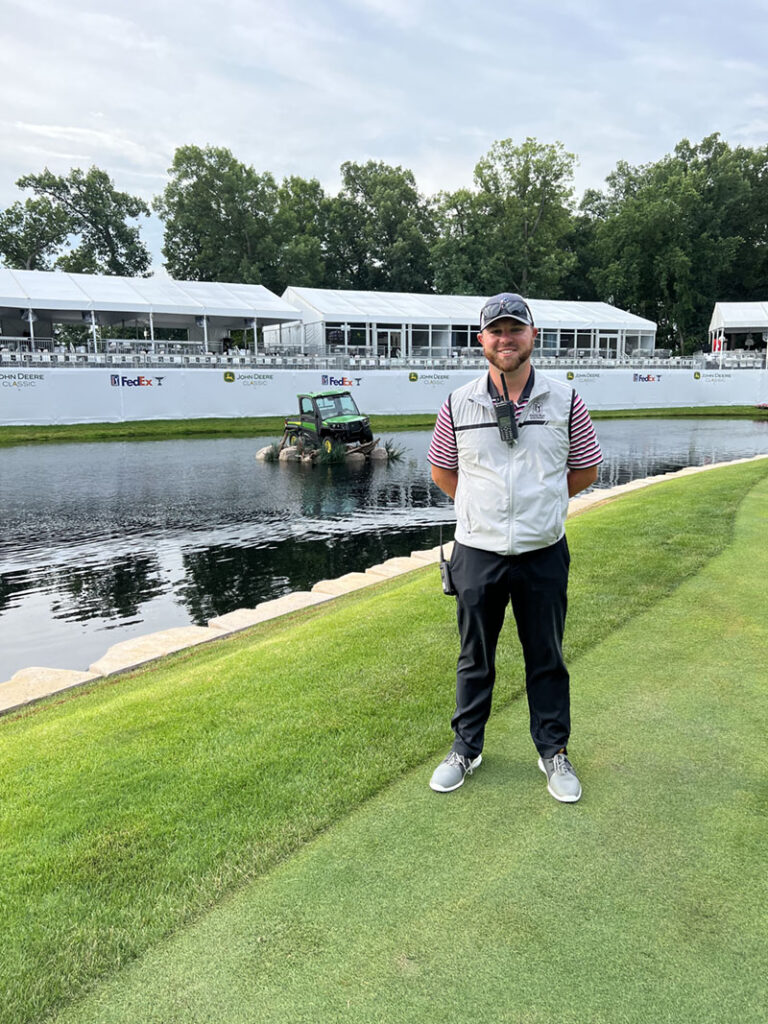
(104, 395)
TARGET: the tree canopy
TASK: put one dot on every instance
(32, 233)
(508, 234)
(664, 240)
(76, 222)
(219, 218)
(380, 231)
(670, 238)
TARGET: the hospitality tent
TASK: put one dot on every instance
(401, 323)
(739, 325)
(31, 301)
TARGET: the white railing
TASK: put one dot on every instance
(15, 357)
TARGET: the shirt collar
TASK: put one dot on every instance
(525, 394)
(481, 395)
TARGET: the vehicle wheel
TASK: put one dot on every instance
(293, 438)
(327, 445)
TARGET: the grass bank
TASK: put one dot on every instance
(130, 809)
(645, 902)
(739, 412)
(169, 430)
(166, 430)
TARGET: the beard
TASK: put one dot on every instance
(510, 361)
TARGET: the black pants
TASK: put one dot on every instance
(537, 584)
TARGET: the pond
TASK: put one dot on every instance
(104, 542)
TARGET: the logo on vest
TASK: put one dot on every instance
(535, 413)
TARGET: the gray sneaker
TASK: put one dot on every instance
(562, 782)
(449, 774)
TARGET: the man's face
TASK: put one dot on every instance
(507, 344)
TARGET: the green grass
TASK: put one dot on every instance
(742, 412)
(129, 809)
(643, 903)
(164, 430)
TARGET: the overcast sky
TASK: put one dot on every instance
(297, 87)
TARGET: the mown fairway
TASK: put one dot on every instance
(129, 811)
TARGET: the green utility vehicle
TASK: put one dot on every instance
(327, 418)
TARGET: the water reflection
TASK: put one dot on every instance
(103, 542)
(634, 449)
(115, 590)
(220, 578)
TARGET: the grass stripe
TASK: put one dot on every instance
(130, 809)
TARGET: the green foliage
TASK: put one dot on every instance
(272, 454)
(301, 227)
(576, 283)
(84, 208)
(527, 193)
(32, 233)
(394, 451)
(664, 240)
(336, 455)
(509, 234)
(219, 218)
(460, 248)
(671, 238)
(380, 231)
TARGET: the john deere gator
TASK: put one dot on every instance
(327, 418)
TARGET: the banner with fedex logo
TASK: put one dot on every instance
(99, 395)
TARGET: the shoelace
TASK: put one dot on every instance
(561, 765)
(459, 759)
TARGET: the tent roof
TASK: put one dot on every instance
(65, 297)
(739, 316)
(404, 307)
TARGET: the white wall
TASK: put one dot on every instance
(102, 395)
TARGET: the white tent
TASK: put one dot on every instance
(30, 296)
(738, 325)
(388, 321)
(389, 307)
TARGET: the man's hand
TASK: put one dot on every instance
(447, 480)
(579, 479)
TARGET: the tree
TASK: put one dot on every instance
(31, 234)
(219, 219)
(380, 230)
(459, 251)
(96, 215)
(527, 194)
(510, 232)
(672, 237)
(301, 230)
(576, 284)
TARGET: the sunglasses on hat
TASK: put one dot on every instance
(506, 304)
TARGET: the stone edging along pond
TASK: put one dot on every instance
(32, 684)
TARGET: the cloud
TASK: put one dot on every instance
(103, 141)
(300, 87)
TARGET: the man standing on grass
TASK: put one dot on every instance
(510, 448)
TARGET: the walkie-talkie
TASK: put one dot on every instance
(445, 570)
(505, 416)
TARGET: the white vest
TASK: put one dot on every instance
(512, 499)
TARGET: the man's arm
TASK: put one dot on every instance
(578, 479)
(447, 479)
